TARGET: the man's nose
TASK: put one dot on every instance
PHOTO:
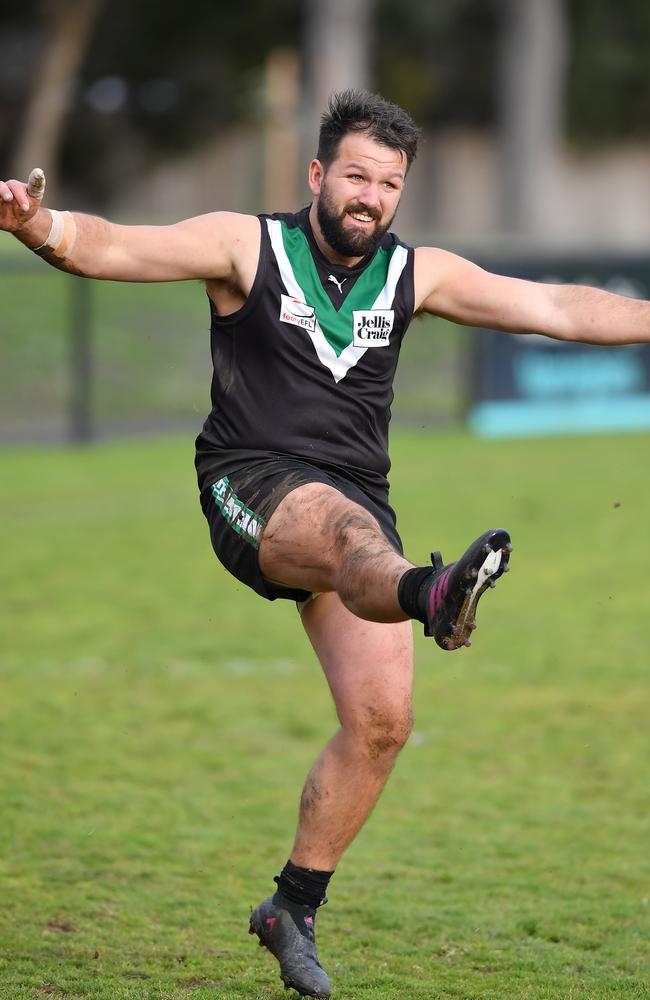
(370, 196)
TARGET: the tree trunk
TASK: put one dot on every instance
(531, 108)
(281, 132)
(67, 27)
(338, 42)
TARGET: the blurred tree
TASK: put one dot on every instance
(153, 79)
(438, 59)
(65, 28)
(281, 131)
(182, 76)
(157, 79)
(609, 77)
(532, 92)
(441, 61)
(338, 37)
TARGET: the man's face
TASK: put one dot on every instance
(358, 195)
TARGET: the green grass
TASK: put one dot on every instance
(157, 721)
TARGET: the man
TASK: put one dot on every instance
(308, 312)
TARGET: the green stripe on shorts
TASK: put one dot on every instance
(242, 520)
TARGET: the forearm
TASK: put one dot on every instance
(194, 249)
(86, 246)
(449, 286)
(90, 246)
(213, 247)
(593, 316)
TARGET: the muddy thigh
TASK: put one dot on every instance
(311, 532)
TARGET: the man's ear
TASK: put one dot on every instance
(315, 176)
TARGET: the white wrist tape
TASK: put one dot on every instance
(61, 237)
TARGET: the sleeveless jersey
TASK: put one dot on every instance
(305, 368)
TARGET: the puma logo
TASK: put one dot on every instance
(339, 284)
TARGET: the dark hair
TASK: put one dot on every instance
(360, 111)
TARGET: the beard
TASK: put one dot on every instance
(347, 243)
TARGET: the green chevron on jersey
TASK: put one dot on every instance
(334, 329)
(336, 324)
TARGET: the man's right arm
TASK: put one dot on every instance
(208, 247)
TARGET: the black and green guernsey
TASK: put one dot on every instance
(305, 368)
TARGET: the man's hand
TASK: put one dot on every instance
(17, 205)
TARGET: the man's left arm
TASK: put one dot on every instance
(450, 286)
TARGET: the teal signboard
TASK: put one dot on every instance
(527, 385)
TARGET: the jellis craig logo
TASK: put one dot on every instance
(372, 327)
(298, 313)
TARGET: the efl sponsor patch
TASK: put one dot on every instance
(372, 327)
(297, 312)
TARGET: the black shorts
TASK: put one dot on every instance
(239, 504)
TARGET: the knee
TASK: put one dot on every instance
(383, 731)
(359, 546)
(351, 525)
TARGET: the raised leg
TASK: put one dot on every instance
(319, 540)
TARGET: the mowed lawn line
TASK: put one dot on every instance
(158, 721)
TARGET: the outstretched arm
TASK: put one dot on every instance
(447, 285)
(207, 247)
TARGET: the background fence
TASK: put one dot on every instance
(81, 360)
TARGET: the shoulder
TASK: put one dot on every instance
(230, 225)
(238, 236)
(433, 268)
(428, 257)
(233, 239)
(226, 235)
(218, 223)
(243, 232)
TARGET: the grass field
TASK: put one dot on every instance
(157, 722)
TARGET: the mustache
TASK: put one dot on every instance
(374, 213)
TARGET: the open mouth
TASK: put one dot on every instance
(364, 218)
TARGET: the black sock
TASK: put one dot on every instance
(306, 886)
(412, 592)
